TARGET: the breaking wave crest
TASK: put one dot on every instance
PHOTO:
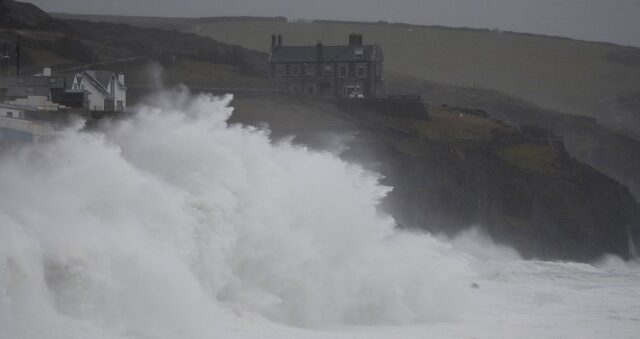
(173, 221)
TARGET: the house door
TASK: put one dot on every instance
(108, 105)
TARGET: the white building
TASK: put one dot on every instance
(13, 111)
(15, 127)
(105, 90)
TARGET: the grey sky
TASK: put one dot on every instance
(615, 21)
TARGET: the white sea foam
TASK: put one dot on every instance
(173, 224)
(161, 224)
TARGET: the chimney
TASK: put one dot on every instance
(352, 39)
(355, 39)
(121, 78)
(279, 40)
(46, 72)
(319, 52)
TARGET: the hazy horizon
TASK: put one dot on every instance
(592, 20)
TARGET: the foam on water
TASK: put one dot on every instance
(163, 223)
(173, 224)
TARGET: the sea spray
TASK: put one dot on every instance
(633, 252)
(158, 225)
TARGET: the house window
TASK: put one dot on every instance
(361, 70)
(53, 80)
(310, 69)
(358, 53)
(353, 91)
(120, 105)
(310, 89)
(280, 70)
(10, 114)
(328, 69)
(343, 71)
(295, 70)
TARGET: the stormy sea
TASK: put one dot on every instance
(176, 224)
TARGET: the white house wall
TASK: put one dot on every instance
(15, 113)
(120, 94)
(96, 98)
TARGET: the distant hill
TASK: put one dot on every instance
(22, 15)
(578, 77)
(74, 44)
(566, 75)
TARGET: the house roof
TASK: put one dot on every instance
(25, 91)
(329, 53)
(18, 107)
(32, 81)
(101, 79)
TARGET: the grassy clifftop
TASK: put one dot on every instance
(592, 79)
(456, 170)
(577, 77)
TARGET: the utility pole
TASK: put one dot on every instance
(18, 57)
(4, 60)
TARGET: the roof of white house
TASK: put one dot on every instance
(101, 79)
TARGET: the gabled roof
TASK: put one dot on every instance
(101, 79)
(328, 54)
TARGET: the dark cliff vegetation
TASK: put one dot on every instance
(477, 158)
(74, 44)
(121, 41)
(22, 15)
(457, 170)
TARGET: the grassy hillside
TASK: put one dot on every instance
(584, 78)
(572, 76)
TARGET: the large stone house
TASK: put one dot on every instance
(350, 71)
(105, 90)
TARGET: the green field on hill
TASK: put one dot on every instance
(577, 77)
(584, 78)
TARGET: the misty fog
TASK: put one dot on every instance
(595, 20)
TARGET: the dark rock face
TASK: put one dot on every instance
(523, 188)
(527, 192)
(571, 213)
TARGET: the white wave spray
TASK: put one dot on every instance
(163, 224)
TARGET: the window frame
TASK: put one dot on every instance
(343, 70)
(310, 70)
(295, 70)
(361, 67)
